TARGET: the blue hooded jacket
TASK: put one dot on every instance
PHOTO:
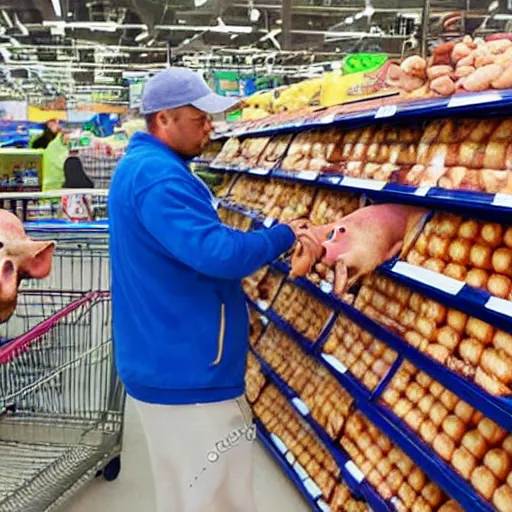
(179, 313)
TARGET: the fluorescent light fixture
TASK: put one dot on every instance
(7, 18)
(142, 36)
(57, 8)
(199, 3)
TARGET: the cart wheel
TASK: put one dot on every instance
(112, 469)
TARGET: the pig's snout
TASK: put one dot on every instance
(8, 289)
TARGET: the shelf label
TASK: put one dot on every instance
(323, 506)
(328, 119)
(262, 304)
(363, 184)
(502, 200)
(473, 99)
(281, 447)
(333, 180)
(334, 363)
(428, 277)
(269, 222)
(313, 489)
(301, 472)
(385, 111)
(422, 191)
(326, 287)
(500, 306)
(307, 175)
(290, 458)
(265, 321)
(354, 471)
(300, 406)
(259, 171)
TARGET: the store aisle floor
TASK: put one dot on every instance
(133, 491)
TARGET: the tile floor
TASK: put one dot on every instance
(133, 491)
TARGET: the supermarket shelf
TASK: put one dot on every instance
(351, 474)
(448, 291)
(482, 104)
(292, 469)
(497, 408)
(438, 470)
(491, 207)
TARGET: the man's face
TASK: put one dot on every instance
(187, 130)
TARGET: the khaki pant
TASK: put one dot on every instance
(201, 456)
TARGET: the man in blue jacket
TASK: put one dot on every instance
(180, 316)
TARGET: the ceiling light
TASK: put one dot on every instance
(7, 18)
(233, 36)
(199, 3)
(254, 15)
(57, 8)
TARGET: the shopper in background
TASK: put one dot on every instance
(180, 316)
(51, 130)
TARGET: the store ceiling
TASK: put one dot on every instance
(105, 37)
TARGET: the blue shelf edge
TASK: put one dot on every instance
(489, 207)
(481, 104)
(265, 439)
(361, 490)
(438, 471)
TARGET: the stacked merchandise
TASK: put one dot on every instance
(395, 391)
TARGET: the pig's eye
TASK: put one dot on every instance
(342, 230)
(1, 245)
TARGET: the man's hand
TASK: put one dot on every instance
(299, 226)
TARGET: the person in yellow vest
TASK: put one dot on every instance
(54, 157)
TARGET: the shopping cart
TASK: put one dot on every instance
(99, 163)
(61, 401)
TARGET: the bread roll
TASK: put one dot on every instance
(484, 482)
(384, 490)
(417, 479)
(436, 389)
(477, 278)
(374, 454)
(421, 505)
(454, 427)
(448, 337)
(471, 351)
(469, 230)
(457, 320)
(480, 256)
(433, 494)
(498, 461)
(464, 462)
(449, 400)
(426, 403)
(464, 411)
(507, 237)
(424, 379)
(395, 479)
(455, 271)
(491, 432)
(479, 330)
(509, 479)
(435, 264)
(384, 467)
(444, 446)
(502, 499)
(451, 506)
(459, 251)
(503, 341)
(497, 363)
(500, 286)
(407, 495)
(390, 397)
(492, 234)
(438, 247)
(475, 443)
(507, 445)
(438, 352)
(414, 419)
(402, 407)
(428, 431)
(415, 392)
(502, 261)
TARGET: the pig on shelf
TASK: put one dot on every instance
(358, 243)
(20, 258)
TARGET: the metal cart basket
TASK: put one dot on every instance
(61, 401)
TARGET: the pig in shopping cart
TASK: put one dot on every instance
(20, 258)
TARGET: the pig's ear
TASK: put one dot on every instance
(39, 262)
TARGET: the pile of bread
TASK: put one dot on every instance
(478, 449)
(256, 326)
(328, 402)
(254, 379)
(464, 344)
(389, 470)
(234, 219)
(468, 65)
(467, 154)
(367, 358)
(304, 313)
(263, 285)
(478, 253)
(280, 419)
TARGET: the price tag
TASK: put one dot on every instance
(363, 184)
(301, 472)
(500, 306)
(328, 119)
(502, 200)
(265, 321)
(354, 471)
(473, 99)
(422, 191)
(263, 304)
(396, 503)
(385, 111)
(333, 180)
(269, 222)
(259, 171)
(428, 277)
(334, 363)
(313, 489)
(281, 447)
(326, 287)
(307, 175)
(323, 506)
(300, 406)
(290, 458)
